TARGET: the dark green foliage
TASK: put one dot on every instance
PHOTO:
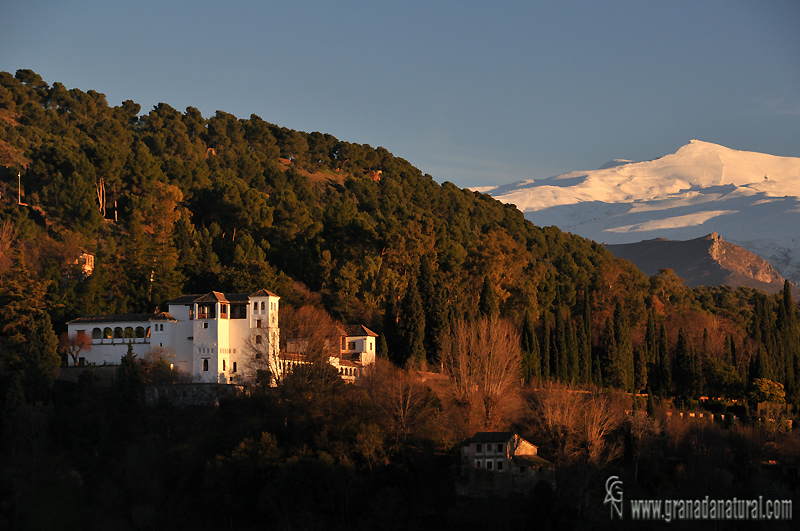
(171, 202)
(487, 304)
(624, 347)
(685, 367)
(412, 325)
(639, 370)
(128, 383)
(545, 344)
(433, 300)
(531, 356)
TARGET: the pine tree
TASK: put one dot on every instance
(28, 344)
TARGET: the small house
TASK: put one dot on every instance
(499, 463)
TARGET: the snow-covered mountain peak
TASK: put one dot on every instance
(752, 199)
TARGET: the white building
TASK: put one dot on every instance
(215, 338)
(209, 335)
(357, 351)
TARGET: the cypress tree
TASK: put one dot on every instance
(612, 371)
(561, 347)
(639, 370)
(585, 338)
(665, 364)
(391, 331)
(128, 382)
(433, 307)
(573, 359)
(684, 366)
(624, 347)
(790, 340)
(488, 305)
(528, 334)
(546, 373)
(531, 357)
(585, 356)
(412, 322)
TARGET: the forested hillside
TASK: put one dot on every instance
(172, 202)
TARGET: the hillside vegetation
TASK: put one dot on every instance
(171, 202)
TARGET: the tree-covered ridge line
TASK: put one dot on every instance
(171, 202)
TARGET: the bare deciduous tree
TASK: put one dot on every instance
(578, 424)
(482, 360)
(260, 365)
(308, 336)
(403, 400)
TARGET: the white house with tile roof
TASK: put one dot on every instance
(214, 337)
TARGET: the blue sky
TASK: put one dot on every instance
(475, 93)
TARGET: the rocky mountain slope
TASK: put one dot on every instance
(750, 199)
(706, 261)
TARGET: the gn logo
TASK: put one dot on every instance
(614, 496)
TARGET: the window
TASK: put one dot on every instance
(499, 465)
(205, 325)
(97, 333)
(205, 365)
(118, 332)
(351, 345)
(500, 448)
(258, 323)
(107, 333)
(255, 307)
(263, 308)
(223, 365)
(370, 346)
(129, 332)
(139, 332)
(238, 311)
(478, 448)
(488, 465)
(234, 366)
(258, 340)
(477, 463)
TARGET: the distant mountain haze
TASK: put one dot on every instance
(750, 199)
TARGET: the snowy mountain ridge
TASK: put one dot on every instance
(750, 199)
